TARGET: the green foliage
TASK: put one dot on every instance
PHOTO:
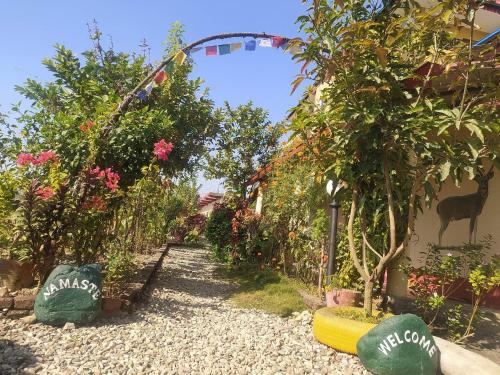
(218, 231)
(245, 141)
(120, 266)
(86, 211)
(294, 220)
(434, 282)
(357, 314)
(375, 127)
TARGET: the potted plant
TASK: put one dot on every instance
(337, 294)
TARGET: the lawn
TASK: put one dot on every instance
(265, 290)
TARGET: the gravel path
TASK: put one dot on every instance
(186, 328)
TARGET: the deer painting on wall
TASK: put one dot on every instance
(465, 206)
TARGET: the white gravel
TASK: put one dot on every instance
(186, 328)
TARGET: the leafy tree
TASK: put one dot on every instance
(70, 157)
(380, 126)
(245, 141)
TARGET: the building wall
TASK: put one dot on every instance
(457, 233)
(208, 208)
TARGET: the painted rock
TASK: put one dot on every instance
(70, 294)
(399, 345)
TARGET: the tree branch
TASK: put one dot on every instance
(350, 234)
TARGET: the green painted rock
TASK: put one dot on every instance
(399, 345)
(70, 294)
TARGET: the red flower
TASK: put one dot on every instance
(24, 159)
(163, 149)
(96, 203)
(87, 126)
(45, 156)
(44, 192)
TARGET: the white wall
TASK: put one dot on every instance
(427, 224)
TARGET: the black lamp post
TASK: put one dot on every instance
(332, 246)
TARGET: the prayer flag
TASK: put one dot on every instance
(160, 77)
(277, 41)
(142, 95)
(224, 49)
(250, 45)
(211, 51)
(266, 42)
(180, 57)
(235, 46)
(149, 88)
(193, 50)
(169, 69)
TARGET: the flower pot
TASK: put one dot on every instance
(343, 297)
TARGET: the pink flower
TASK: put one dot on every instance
(44, 192)
(24, 159)
(111, 177)
(163, 149)
(95, 171)
(45, 156)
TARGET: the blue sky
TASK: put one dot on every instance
(30, 28)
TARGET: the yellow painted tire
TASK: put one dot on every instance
(339, 333)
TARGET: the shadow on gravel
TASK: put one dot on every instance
(14, 357)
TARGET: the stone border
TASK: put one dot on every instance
(133, 293)
(456, 360)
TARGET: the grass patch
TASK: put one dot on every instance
(358, 314)
(265, 290)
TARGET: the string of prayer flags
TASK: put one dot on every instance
(266, 42)
(221, 49)
(211, 50)
(250, 45)
(235, 46)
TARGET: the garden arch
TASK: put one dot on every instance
(122, 108)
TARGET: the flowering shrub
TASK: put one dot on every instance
(439, 277)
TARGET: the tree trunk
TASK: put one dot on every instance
(368, 302)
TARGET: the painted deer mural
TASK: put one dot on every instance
(465, 206)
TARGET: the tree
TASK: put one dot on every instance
(245, 141)
(394, 143)
(74, 170)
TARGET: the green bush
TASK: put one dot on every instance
(218, 231)
(120, 266)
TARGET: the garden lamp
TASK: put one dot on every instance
(332, 189)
